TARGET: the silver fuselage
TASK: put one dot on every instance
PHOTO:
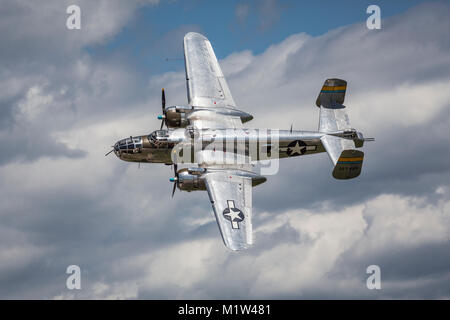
(258, 144)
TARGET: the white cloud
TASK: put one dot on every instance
(291, 268)
(35, 102)
(404, 222)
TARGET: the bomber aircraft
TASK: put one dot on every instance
(208, 135)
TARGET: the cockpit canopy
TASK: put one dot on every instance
(129, 145)
(158, 135)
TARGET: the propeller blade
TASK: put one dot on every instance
(163, 101)
(174, 188)
(175, 180)
(163, 106)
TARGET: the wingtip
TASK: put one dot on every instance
(236, 247)
(193, 35)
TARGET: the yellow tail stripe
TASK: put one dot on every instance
(334, 88)
(351, 159)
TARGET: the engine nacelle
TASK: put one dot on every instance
(176, 116)
(190, 181)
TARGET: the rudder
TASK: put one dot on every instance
(332, 93)
(349, 164)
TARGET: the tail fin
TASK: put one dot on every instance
(346, 160)
(333, 92)
(349, 164)
(333, 116)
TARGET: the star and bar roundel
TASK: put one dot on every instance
(298, 147)
(233, 214)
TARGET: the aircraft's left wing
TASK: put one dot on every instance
(206, 85)
(207, 90)
(231, 197)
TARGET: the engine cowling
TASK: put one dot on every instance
(176, 116)
(190, 181)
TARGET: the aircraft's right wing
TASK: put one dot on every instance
(231, 198)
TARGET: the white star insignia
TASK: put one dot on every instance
(297, 149)
(233, 214)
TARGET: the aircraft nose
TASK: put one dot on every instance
(116, 149)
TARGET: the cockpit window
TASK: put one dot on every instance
(161, 133)
(158, 134)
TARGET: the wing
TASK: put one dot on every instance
(231, 198)
(206, 85)
(228, 184)
(207, 89)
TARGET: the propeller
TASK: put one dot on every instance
(174, 179)
(163, 105)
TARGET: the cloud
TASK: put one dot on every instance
(65, 203)
(266, 12)
(46, 71)
(242, 11)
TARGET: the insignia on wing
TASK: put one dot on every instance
(233, 214)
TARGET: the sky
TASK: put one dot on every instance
(67, 95)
